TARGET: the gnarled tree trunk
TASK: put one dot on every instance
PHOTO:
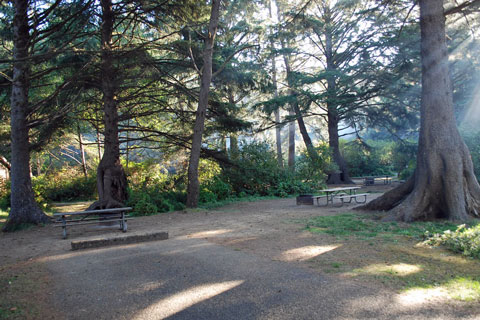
(444, 185)
(111, 178)
(24, 209)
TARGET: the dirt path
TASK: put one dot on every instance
(245, 260)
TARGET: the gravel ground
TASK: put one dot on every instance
(242, 261)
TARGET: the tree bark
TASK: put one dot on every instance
(278, 128)
(111, 178)
(342, 176)
(291, 142)
(295, 111)
(444, 185)
(292, 114)
(82, 152)
(24, 209)
(193, 188)
(99, 143)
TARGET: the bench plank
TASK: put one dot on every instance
(88, 212)
(88, 222)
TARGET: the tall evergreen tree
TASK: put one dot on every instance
(193, 189)
(444, 184)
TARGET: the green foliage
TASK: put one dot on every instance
(153, 190)
(384, 157)
(349, 224)
(68, 184)
(366, 160)
(214, 190)
(257, 173)
(152, 200)
(404, 158)
(464, 240)
(4, 194)
(313, 171)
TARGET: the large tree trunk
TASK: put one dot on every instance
(443, 185)
(111, 179)
(342, 176)
(24, 209)
(193, 188)
(278, 128)
(292, 112)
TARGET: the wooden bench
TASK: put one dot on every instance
(69, 219)
(353, 196)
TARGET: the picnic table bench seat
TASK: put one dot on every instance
(317, 198)
(344, 198)
(68, 219)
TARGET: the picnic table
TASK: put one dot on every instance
(370, 180)
(342, 193)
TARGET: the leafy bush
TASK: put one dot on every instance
(463, 240)
(144, 206)
(257, 172)
(152, 200)
(373, 158)
(365, 159)
(314, 171)
(65, 185)
(404, 159)
(218, 187)
(4, 195)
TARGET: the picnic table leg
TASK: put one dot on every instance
(124, 223)
(330, 199)
(64, 228)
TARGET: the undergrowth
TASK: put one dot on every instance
(463, 240)
(350, 224)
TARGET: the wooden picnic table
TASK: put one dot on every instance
(370, 180)
(330, 193)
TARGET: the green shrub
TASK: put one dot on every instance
(68, 184)
(152, 200)
(221, 189)
(206, 196)
(463, 240)
(4, 195)
(313, 172)
(367, 158)
(257, 172)
(144, 206)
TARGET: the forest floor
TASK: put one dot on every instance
(375, 271)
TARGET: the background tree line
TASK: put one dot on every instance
(169, 100)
